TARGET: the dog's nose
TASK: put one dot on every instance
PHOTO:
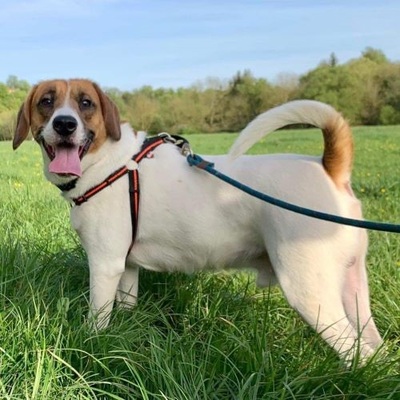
(65, 125)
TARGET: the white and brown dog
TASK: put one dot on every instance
(190, 221)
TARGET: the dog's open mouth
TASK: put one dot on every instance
(65, 158)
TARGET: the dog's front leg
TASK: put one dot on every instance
(105, 275)
(128, 287)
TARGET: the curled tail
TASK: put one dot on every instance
(337, 158)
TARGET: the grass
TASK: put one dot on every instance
(190, 337)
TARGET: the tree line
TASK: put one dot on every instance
(366, 90)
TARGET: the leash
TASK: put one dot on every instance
(197, 161)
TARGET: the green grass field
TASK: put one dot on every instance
(190, 337)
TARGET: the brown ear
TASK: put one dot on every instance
(23, 120)
(110, 114)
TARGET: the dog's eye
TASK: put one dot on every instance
(46, 101)
(86, 103)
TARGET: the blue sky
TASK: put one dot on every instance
(172, 43)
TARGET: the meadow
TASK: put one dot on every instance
(195, 337)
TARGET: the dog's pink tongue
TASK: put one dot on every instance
(66, 161)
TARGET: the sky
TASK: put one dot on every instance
(127, 44)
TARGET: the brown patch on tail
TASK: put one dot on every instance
(338, 153)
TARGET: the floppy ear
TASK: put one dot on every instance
(110, 114)
(23, 122)
(23, 125)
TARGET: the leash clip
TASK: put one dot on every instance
(182, 143)
(186, 150)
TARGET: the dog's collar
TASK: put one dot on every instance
(65, 187)
(132, 170)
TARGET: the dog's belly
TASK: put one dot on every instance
(216, 253)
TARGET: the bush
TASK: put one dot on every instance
(389, 116)
(7, 124)
(186, 130)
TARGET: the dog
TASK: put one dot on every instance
(189, 220)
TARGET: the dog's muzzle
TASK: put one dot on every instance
(65, 158)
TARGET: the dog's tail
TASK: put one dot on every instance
(337, 158)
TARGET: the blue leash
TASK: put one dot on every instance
(197, 161)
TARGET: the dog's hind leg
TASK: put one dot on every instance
(265, 273)
(128, 287)
(315, 291)
(355, 296)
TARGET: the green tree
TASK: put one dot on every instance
(388, 81)
(246, 97)
(17, 84)
(332, 85)
(375, 55)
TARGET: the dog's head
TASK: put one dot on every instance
(68, 118)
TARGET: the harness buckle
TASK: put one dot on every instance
(167, 137)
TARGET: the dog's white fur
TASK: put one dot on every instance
(190, 220)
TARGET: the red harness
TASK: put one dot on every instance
(133, 174)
